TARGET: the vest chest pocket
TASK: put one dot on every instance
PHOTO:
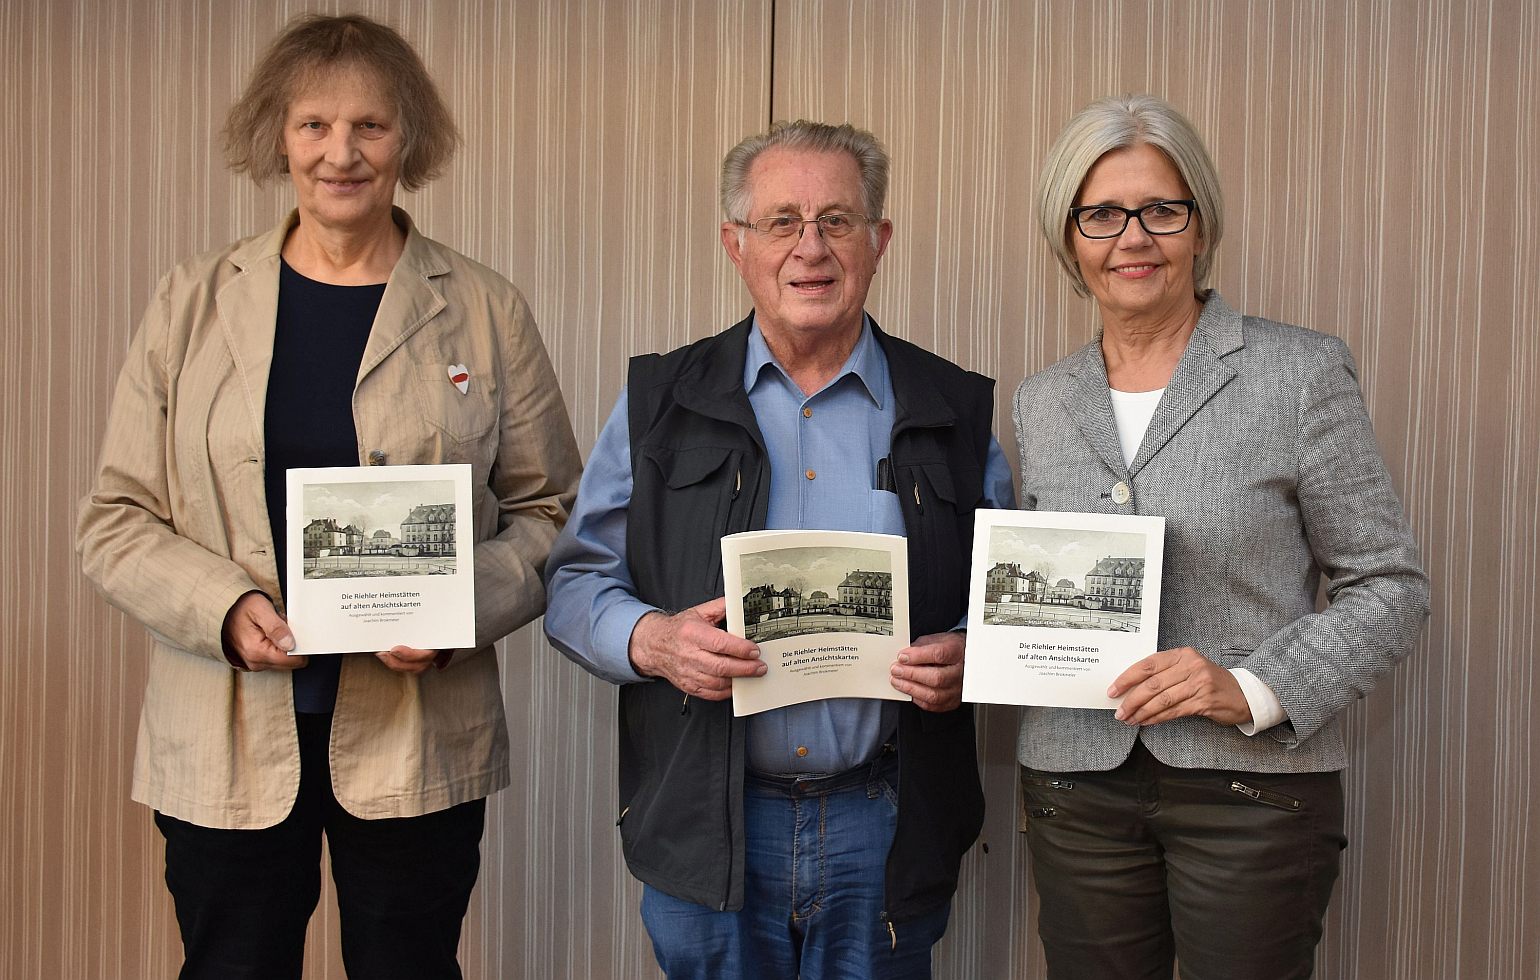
(689, 467)
(932, 485)
(702, 483)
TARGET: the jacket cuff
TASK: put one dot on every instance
(211, 604)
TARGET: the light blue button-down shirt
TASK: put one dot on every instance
(822, 451)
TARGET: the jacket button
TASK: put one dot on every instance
(811, 474)
(801, 751)
(377, 458)
(1121, 494)
(807, 413)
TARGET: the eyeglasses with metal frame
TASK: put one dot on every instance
(1156, 218)
(833, 227)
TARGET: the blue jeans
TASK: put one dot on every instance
(813, 896)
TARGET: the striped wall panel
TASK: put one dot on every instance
(1379, 166)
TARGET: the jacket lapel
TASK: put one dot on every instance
(1087, 401)
(1199, 375)
(248, 314)
(411, 298)
(248, 305)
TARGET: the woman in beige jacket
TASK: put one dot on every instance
(341, 337)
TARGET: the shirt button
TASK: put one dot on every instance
(376, 457)
(801, 751)
(1121, 494)
(811, 475)
(807, 413)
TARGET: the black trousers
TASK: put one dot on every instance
(244, 897)
(1230, 873)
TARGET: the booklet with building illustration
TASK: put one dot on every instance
(1059, 605)
(380, 556)
(829, 610)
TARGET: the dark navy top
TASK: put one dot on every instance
(317, 349)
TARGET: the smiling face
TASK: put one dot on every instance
(1137, 275)
(343, 146)
(807, 287)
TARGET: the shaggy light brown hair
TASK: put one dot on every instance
(309, 51)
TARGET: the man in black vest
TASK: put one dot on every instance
(821, 840)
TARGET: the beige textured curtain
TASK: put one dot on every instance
(1379, 164)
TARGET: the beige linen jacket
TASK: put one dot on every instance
(176, 530)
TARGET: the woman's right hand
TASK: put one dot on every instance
(256, 637)
(1177, 683)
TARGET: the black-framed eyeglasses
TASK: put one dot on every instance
(1157, 218)
(833, 227)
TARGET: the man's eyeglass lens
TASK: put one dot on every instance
(833, 226)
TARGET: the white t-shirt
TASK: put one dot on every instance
(1133, 410)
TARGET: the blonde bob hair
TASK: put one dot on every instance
(310, 49)
(1111, 124)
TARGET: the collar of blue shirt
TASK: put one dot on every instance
(866, 362)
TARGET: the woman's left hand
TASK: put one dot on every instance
(407, 660)
(1177, 683)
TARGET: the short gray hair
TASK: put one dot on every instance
(1112, 124)
(866, 149)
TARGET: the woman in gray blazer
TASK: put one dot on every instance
(1203, 819)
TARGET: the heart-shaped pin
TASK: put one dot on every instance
(460, 376)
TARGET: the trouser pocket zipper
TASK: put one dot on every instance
(1278, 800)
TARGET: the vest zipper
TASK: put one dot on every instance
(727, 819)
(894, 934)
(918, 506)
(737, 483)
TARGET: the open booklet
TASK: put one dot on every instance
(380, 556)
(829, 610)
(1059, 605)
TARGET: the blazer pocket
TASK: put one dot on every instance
(1231, 657)
(465, 418)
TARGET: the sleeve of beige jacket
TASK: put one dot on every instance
(128, 543)
(535, 477)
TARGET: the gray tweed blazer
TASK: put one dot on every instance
(1261, 458)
